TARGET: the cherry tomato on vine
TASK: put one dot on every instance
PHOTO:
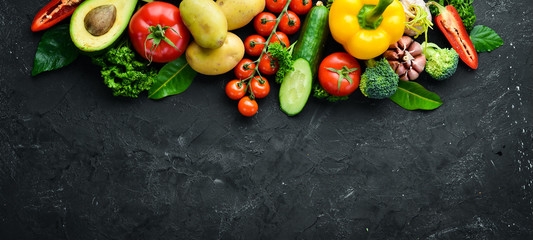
(275, 6)
(290, 24)
(151, 25)
(280, 37)
(247, 107)
(259, 89)
(254, 44)
(264, 23)
(339, 66)
(268, 65)
(301, 7)
(244, 69)
(235, 89)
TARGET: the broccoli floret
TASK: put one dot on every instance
(378, 81)
(441, 62)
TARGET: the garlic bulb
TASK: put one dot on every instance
(406, 58)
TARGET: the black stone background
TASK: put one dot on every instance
(78, 163)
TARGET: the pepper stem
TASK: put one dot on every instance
(439, 7)
(371, 18)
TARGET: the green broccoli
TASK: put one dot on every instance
(123, 72)
(378, 81)
(441, 62)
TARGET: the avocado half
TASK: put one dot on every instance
(97, 24)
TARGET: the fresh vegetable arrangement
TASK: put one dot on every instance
(166, 45)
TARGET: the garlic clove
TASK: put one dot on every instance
(419, 63)
(412, 74)
(394, 65)
(415, 49)
(391, 55)
(404, 42)
(404, 77)
(401, 70)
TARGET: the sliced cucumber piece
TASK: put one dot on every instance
(296, 87)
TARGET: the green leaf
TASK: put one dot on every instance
(485, 39)
(55, 50)
(174, 78)
(412, 96)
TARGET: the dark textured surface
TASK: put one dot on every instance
(77, 163)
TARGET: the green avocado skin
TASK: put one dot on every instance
(105, 42)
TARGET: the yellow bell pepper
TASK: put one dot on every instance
(366, 28)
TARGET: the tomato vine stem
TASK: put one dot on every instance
(264, 51)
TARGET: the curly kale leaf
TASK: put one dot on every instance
(320, 93)
(125, 74)
(284, 58)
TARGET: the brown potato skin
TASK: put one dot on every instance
(206, 22)
(216, 61)
(240, 12)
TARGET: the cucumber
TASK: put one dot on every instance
(313, 37)
(296, 87)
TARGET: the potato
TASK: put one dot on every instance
(240, 12)
(206, 22)
(216, 61)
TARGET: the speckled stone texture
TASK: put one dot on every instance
(78, 163)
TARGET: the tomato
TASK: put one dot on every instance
(301, 7)
(254, 44)
(260, 90)
(267, 66)
(244, 69)
(247, 107)
(150, 28)
(264, 23)
(52, 13)
(290, 24)
(280, 37)
(235, 89)
(339, 74)
(275, 6)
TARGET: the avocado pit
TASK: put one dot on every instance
(100, 19)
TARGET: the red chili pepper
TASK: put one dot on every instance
(452, 26)
(54, 12)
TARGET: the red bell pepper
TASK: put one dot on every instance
(452, 26)
(54, 12)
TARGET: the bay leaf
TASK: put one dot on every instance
(412, 96)
(173, 78)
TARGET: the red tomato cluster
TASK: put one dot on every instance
(248, 72)
(258, 87)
